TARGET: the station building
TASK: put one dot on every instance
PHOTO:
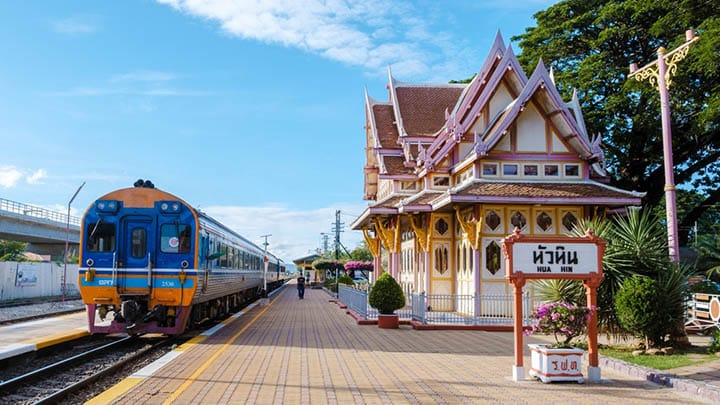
(451, 169)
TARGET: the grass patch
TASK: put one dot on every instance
(685, 357)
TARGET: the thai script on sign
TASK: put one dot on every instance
(565, 365)
(558, 256)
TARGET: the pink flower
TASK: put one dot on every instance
(561, 319)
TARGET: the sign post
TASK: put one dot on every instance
(564, 258)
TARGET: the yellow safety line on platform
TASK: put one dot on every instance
(114, 392)
(62, 337)
(209, 361)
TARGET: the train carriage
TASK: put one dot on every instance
(149, 262)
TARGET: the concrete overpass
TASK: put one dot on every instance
(44, 230)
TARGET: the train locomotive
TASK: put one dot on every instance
(151, 263)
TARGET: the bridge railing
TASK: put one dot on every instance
(37, 212)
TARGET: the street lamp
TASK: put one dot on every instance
(659, 75)
(265, 263)
(67, 243)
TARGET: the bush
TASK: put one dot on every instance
(638, 312)
(386, 295)
(715, 341)
(560, 319)
(345, 279)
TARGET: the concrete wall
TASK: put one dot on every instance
(35, 279)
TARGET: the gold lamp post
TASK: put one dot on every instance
(659, 74)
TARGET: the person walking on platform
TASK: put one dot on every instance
(301, 286)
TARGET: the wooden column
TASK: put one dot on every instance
(591, 285)
(518, 282)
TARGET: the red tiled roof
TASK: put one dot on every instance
(545, 190)
(426, 199)
(390, 202)
(395, 165)
(386, 128)
(423, 108)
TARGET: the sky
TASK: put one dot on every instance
(251, 111)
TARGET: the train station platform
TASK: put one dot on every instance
(310, 351)
(20, 338)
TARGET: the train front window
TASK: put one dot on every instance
(138, 243)
(175, 238)
(101, 237)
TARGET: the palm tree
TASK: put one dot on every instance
(637, 244)
(708, 247)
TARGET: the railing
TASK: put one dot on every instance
(444, 309)
(703, 313)
(354, 298)
(37, 212)
(467, 309)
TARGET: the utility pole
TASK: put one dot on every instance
(325, 238)
(659, 74)
(338, 228)
(265, 263)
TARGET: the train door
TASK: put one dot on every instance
(137, 255)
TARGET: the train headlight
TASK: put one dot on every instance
(169, 207)
(107, 206)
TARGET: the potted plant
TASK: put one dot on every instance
(387, 296)
(558, 361)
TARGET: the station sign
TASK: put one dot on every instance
(555, 258)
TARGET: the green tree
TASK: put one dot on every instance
(361, 253)
(591, 43)
(11, 251)
(708, 247)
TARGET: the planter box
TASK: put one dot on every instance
(550, 364)
(388, 321)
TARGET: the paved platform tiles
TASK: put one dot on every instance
(310, 352)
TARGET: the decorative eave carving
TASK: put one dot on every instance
(389, 232)
(372, 242)
(419, 224)
(470, 222)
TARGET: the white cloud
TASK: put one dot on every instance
(138, 83)
(74, 25)
(144, 76)
(9, 176)
(294, 233)
(367, 33)
(36, 177)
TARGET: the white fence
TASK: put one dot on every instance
(19, 280)
(444, 309)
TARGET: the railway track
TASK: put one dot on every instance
(52, 383)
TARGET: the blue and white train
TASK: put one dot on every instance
(149, 262)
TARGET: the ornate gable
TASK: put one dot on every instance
(539, 101)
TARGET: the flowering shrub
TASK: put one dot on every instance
(325, 264)
(560, 319)
(362, 266)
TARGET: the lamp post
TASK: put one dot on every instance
(67, 243)
(265, 263)
(659, 75)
